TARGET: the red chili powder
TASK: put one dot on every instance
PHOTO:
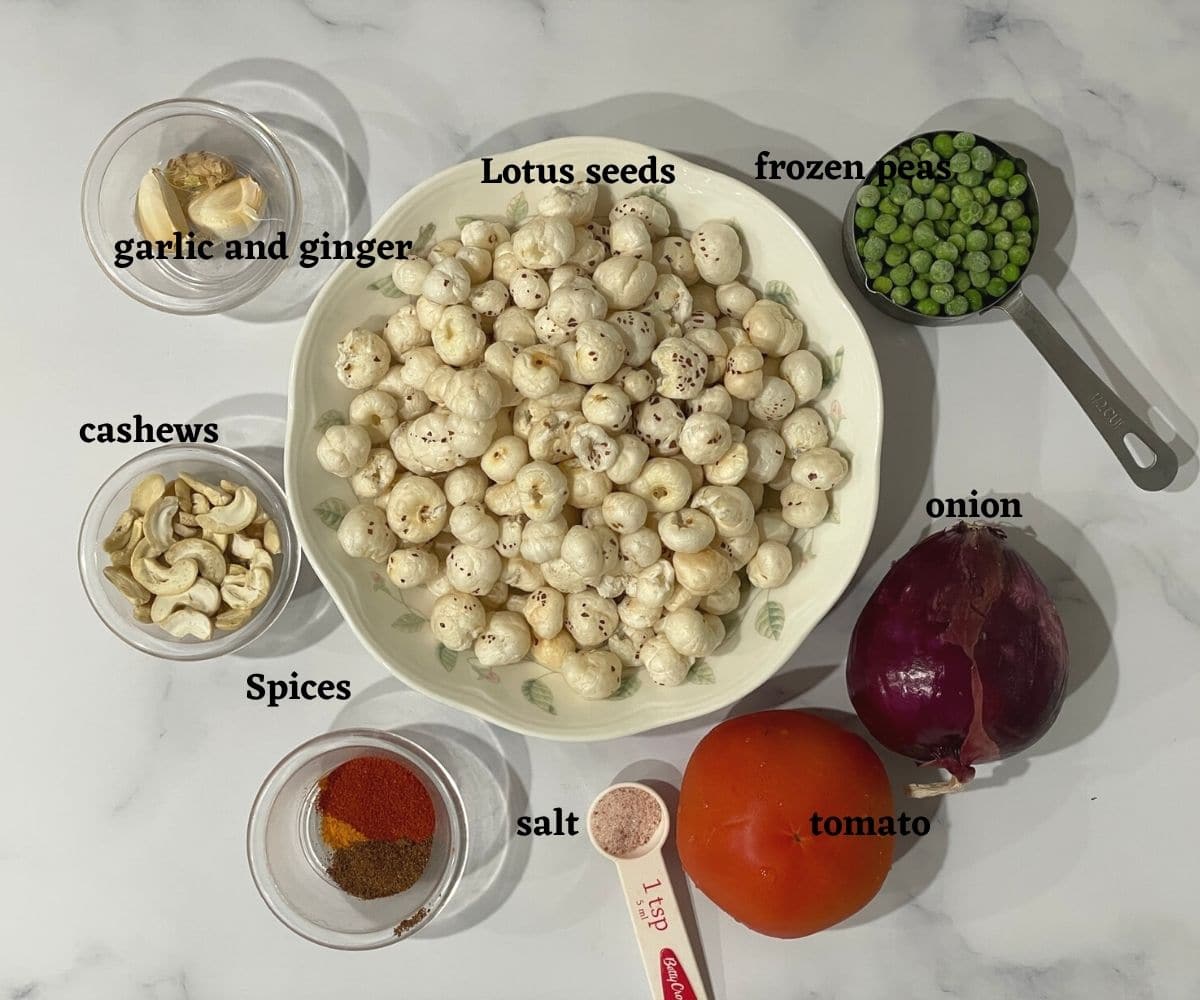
(380, 797)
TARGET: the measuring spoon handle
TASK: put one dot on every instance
(1112, 418)
(671, 966)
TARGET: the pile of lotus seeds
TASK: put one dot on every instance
(577, 435)
(945, 247)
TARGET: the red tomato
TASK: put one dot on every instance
(745, 831)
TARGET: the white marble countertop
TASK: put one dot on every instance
(1071, 872)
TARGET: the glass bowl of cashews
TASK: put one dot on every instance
(594, 458)
(187, 552)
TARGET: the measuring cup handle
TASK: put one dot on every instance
(1113, 419)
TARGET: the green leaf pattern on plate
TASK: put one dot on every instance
(330, 418)
(517, 210)
(781, 292)
(410, 621)
(331, 510)
(831, 367)
(538, 694)
(769, 620)
(385, 286)
(424, 236)
(447, 657)
(628, 686)
(701, 673)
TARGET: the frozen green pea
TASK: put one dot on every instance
(960, 162)
(874, 268)
(1023, 239)
(974, 298)
(1005, 169)
(919, 288)
(922, 185)
(864, 218)
(964, 140)
(962, 281)
(1003, 240)
(1019, 255)
(942, 226)
(957, 306)
(997, 259)
(971, 178)
(960, 228)
(941, 293)
(868, 195)
(971, 214)
(895, 254)
(901, 234)
(924, 236)
(901, 295)
(945, 250)
(928, 307)
(885, 224)
(1010, 272)
(941, 270)
(859, 244)
(913, 210)
(943, 144)
(933, 209)
(874, 248)
(958, 241)
(900, 193)
(982, 195)
(989, 213)
(1012, 210)
(941, 192)
(902, 274)
(997, 287)
(979, 279)
(995, 227)
(919, 145)
(949, 214)
(960, 195)
(977, 239)
(882, 284)
(921, 261)
(1017, 185)
(976, 260)
(888, 207)
(1022, 224)
(997, 187)
(906, 155)
(982, 158)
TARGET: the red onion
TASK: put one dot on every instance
(959, 656)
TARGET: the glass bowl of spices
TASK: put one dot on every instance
(186, 205)
(357, 838)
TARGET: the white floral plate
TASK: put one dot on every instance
(781, 263)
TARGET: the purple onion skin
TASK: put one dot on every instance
(959, 657)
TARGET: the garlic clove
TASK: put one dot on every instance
(159, 214)
(230, 211)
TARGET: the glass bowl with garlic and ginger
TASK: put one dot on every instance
(183, 203)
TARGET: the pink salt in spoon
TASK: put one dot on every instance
(628, 823)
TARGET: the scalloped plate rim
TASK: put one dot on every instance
(632, 722)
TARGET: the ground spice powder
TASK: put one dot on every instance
(377, 819)
(375, 868)
(380, 798)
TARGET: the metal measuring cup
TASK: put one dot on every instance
(1115, 421)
